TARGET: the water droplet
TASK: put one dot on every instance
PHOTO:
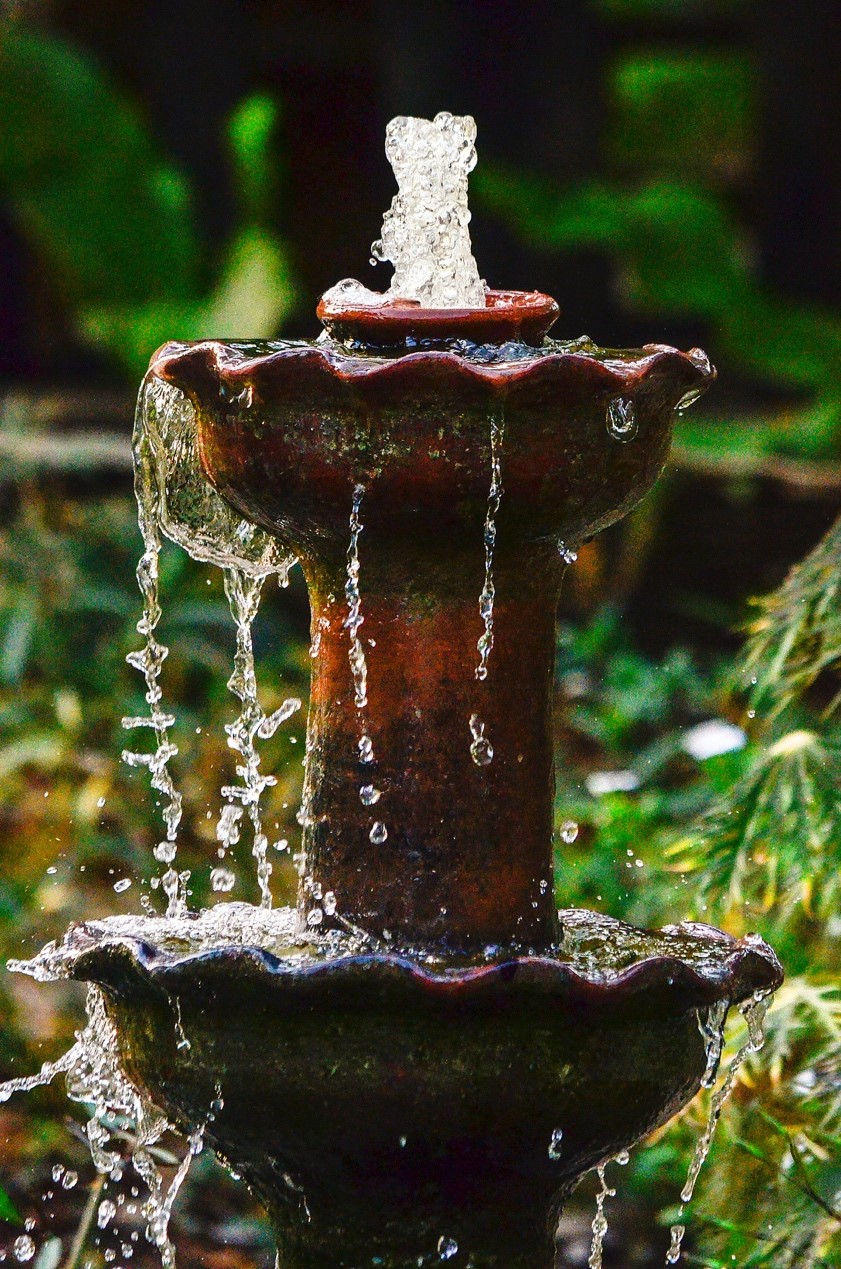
(329, 904)
(23, 1248)
(556, 1143)
(481, 749)
(222, 880)
(164, 852)
(689, 398)
(314, 917)
(378, 833)
(623, 1158)
(58, 1171)
(447, 1248)
(569, 831)
(566, 553)
(621, 419)
(69, 1180)
(105, 1214)
(368, 795)
(673, 1254)
(122, 885)
(366, 749)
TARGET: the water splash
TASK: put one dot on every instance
(753, 1011)
(425, 232)
(599, 1225)
(121, 1117)
(488, 595)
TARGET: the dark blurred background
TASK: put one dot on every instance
(670, 171)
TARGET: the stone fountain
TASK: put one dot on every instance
(421, 1061)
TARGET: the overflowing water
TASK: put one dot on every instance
(596, 947)
(174, 498)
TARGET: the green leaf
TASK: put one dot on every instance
(8, 1211)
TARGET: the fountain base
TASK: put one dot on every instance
(396, 1109)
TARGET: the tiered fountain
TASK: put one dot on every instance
(422, 1060)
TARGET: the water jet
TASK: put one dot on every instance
(420, 1061)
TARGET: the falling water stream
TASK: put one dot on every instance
(754, 1012)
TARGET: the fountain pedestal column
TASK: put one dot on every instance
(457, 847)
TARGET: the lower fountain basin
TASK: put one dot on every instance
(387, 1106)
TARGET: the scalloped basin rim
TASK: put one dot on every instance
(614, 370)
(745, 968)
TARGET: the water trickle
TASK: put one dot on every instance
(711, 1023)
(556, 1142)
(149, 661)
(621, 419)
(481, 749)
(566, 553)
(753, 1011)
(488, 594)
(243, 592)
(599, 1225)
(354, 619)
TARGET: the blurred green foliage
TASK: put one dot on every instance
(113, 219)
(689, 112)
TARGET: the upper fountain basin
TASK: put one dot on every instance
(289, 430)
(403, 324)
